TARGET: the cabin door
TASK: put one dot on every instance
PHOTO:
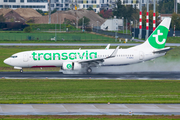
(141, 55)
(25, 57)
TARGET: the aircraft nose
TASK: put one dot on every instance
(7, 61)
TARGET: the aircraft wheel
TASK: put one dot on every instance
(21, 71)
(89, 70)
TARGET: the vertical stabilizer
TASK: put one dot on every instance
(158, 38)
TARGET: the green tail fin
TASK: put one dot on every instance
(158, 38)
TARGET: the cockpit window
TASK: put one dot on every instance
(13, 56)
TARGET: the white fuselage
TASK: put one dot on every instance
(55, 58)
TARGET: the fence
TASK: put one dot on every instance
(170, 33)
(48, 36)
(120, 35)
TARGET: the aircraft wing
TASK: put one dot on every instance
(100, 59)
(163, 50)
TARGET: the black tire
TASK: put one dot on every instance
(89, 70)
(21, 71)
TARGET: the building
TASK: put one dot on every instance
(112, 25)
(70, 4)
(13, 16)
(35, 4)
(63, 5)
(136, 2)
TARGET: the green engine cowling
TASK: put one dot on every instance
(71, 66)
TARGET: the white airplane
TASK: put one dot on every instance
(85, 60)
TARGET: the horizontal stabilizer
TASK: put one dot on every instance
(163, 50)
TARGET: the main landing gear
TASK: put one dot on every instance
(89, 70)
(21, 71)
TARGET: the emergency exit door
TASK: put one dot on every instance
(141, 55)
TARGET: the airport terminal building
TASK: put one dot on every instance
(96, 5)
(63, 5)
(35, 4)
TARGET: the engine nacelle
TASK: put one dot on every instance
(71, 66)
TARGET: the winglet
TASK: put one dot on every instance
(114, 52)
(107, 47)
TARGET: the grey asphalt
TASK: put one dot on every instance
(89, 109)
(59, 75)
(77, 44)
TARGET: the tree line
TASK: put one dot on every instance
(130, 13)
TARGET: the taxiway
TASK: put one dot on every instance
(89, 109)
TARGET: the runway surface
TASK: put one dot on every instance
(59, 75)
(89, 109)
(77, 44)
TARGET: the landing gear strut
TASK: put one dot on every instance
(21, 71)
(89, 70)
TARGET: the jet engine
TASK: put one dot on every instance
(71, 66)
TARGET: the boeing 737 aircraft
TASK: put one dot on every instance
(78, 60)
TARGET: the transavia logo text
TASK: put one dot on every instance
(64, 56)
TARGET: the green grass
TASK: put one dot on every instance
(173, 40)
(128, 31)
(70, 37)
(89, 91)
(46, 27)
(63, 37)
(172, 55)
(46, 37)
